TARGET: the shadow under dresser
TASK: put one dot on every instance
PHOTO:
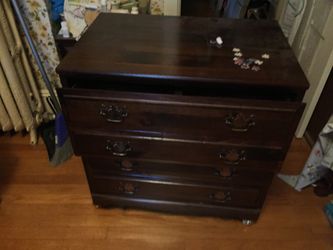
(165, 119)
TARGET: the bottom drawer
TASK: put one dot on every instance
(226, 212)
(178, 192)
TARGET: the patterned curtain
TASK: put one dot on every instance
(23, 95)
(157, 7)
(23, 105)
(36, 15)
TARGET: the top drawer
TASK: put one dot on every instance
(183, 117)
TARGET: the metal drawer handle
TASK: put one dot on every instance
(113, 113)
(233, 156)
(239, 123)
(128, 188)
(225, 172)
(221, 196)
(118, 148)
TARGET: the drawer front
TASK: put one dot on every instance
(224, 174)
(197, 118)
(171, 191)
(172, 150)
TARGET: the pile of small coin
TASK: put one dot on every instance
(249, 63)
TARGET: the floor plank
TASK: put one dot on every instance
(44, 207)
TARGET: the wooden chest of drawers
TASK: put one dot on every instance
(165, 121)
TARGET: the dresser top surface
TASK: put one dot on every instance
(177, 48)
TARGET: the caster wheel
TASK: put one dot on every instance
(247, 222)
(97, 206)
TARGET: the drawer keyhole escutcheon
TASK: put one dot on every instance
(128, 188)
(225, 172)
(118, 148)
(233, 156)
(126, 166)
(239, 123)
(113, 113)
(221, 196)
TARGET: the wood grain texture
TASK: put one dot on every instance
(203, 118)
(169, 149)
(176, 48)
(256, 175)
(50, 208)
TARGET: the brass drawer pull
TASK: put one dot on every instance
(128, 188)
(113, 113)
(221, 196)
(233, 156)
(239, 123)
(225, 172)
(118, 148)
(126, 166)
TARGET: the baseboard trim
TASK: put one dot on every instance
(311, 141)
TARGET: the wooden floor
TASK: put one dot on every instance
(50, 208)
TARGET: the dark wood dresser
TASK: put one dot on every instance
(165, 120)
